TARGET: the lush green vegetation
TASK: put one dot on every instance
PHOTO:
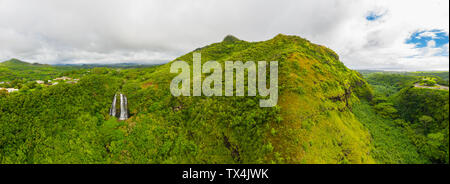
(58, 124)
(391, 143)
(419, 113)
(441, 77)
(388, 83)
(426, 113)
(326, 113)
(16, 70)
(17, 74)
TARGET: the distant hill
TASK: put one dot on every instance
(442, 77)
(116, 65)
(13, 62)
(14, 69)
(18, 64)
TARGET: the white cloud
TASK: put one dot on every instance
(431, 43)
(427, 34)
(53, 31)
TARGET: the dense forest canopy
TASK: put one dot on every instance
(326, 113)
(417, 112)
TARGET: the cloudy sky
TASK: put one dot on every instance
(367, 34)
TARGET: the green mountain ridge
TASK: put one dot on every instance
(312, 122)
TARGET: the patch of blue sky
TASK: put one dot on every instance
(373, 16)
(421, 38)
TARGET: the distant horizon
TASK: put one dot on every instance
(162, 63)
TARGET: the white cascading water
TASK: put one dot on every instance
(112, 111)
(123, 107)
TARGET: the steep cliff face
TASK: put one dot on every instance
(312, 122)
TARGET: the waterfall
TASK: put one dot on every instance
(123, 115)
(123, 107)
(112, 111)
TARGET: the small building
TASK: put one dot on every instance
(40, 82)
(63, 78)
(9, 90)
